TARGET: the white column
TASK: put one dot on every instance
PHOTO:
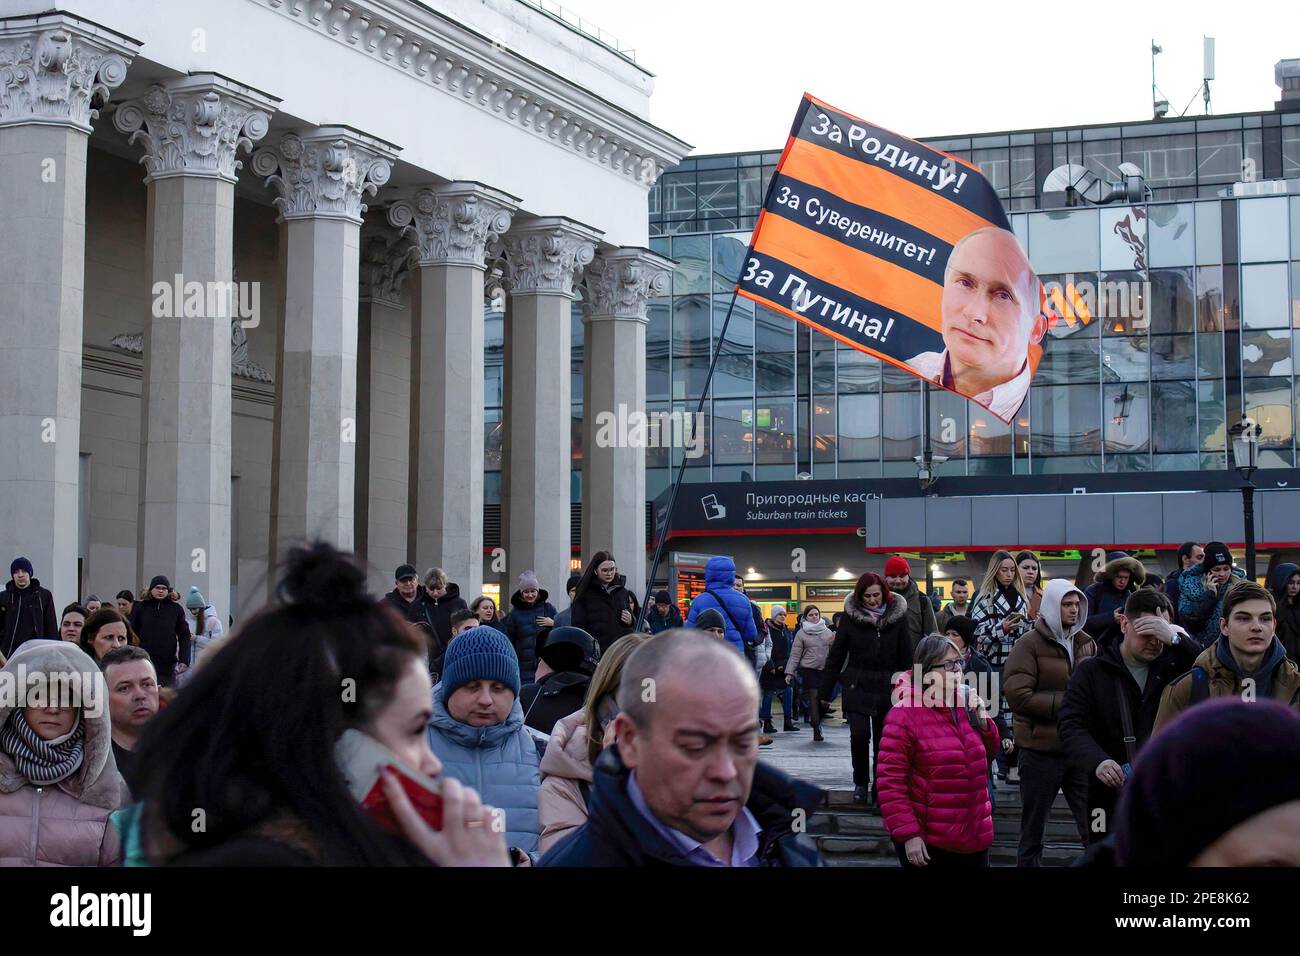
(321, 176)
(191, 129)
(452, 225)
(51, 68)
(617, 288)
(544, 259)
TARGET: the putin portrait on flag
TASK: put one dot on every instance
(991, 314)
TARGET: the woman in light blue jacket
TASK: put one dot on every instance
(477, 731)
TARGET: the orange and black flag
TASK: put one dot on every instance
(854, 237)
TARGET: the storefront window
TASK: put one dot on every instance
(1263, 229)
(859, 428)
(1171, 235)
(1065, 420)
(1171, 304)
(1173, 417)
(733, 433)
(692, 273)
(691, 345)
(1063, 241)
(657, 345)
(1265, 303)
(775, 432)
(1269, 402)
(1127, 413)
(1266, 353)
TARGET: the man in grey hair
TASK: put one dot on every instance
(682, 786)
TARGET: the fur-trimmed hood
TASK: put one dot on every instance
(96, 782)
(896, 610)
(1137, 573)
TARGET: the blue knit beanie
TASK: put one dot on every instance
(481, 653)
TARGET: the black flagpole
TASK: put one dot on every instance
(681, 472)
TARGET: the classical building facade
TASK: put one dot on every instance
(248, 247)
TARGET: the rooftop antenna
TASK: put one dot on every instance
(1208, 44)
(1158, 106)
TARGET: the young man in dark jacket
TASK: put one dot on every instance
(432, 610)
(1247, 661)
(682, 785)
(1118, 578)
(1034, 680)
(27, 610)
(1111, 703)
(164, 632)
(663, 614)
(921, 619)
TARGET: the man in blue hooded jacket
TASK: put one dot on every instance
(477, 731)
(720, 593)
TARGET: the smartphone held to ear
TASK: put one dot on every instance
(363, 759)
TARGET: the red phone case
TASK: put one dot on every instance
(427, 803)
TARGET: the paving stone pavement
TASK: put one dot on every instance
(825, 764)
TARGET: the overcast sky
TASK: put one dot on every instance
(729, 73)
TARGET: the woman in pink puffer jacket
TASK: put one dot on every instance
(934, 764)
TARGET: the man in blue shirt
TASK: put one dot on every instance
(682, 786)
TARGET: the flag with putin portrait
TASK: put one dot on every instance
(901, 251)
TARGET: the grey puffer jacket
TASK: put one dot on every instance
(500, 762)
(64, 823)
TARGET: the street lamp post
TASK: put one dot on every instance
(1245, 455)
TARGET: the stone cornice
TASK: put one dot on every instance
(546, 256)
(195, 125)
(56, 70)
(323, 173)
(452, 224)
(620, 284)
(448, 56)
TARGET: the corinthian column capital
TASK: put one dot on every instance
(619, 284)
(546, 256)
(195, 125)
(453, 224)
(58, 70)
(323, 173)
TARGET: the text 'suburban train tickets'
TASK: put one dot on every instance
(901, 251)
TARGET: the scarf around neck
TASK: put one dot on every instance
(874, 613)
(819, 630)
(42, 762)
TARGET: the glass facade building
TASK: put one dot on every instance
(1216, 281)
(1189, 316)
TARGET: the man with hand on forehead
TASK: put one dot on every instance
(992, 313)
(682, 785)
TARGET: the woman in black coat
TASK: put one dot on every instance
(873, 639)
(164, 632)
(602, 605)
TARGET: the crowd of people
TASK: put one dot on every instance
(430, 730)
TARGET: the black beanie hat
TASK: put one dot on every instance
(711, 617)
(574, 581)
(963, 626)
(570, 649)
(1219, 764)
(160, 579)
(1216, 552)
